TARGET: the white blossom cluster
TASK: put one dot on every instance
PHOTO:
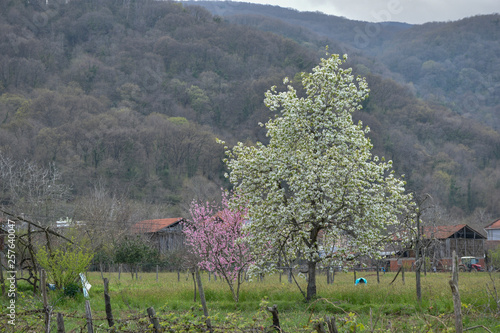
(315, 190)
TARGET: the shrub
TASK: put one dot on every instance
(64, 263)
(71, 289)
(495, 258)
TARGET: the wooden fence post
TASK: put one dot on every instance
(319, 327)
(88, 312)
(330, 322)
(100, 268)
(457, 304)
(60, 323)
(154, 320)
(119, 271)
(156, 273)
(2, 281)
(107, 304)
(276, 320)
(46, 308)
(403, 274)
(203, 299)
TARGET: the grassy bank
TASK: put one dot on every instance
(377, 307)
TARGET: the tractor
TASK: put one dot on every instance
(470, 264)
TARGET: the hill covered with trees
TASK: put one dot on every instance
(451, 63)
(130, 96)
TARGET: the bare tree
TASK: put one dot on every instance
(104, 217)
(32, 191)
(199, 189)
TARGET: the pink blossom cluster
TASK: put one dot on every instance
(214, 234)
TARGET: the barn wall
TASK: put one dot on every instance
(171, 239)
(463, 247)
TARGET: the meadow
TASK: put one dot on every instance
(374, 307)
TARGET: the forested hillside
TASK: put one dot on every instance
(455, 64)
(450, 63)
(130, 96)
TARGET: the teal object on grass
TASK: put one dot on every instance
(360, 281)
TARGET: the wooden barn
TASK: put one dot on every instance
(438, 244)
(165, 234)
(460, 238)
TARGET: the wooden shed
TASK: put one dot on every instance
(460, 238)
(438, 244)
(165, 234)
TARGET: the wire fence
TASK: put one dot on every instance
(54, 319)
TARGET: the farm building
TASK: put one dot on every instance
(439, 242)
(493, 235)
(166, 234)
(460, 238)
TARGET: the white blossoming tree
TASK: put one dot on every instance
(315, 192)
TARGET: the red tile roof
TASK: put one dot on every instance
(148, 226)
(441, 231)
(494, 225)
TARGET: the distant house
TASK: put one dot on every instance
(493, 235)
(166, 234)
(493, 231)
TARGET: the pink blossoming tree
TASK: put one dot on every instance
(214, 234)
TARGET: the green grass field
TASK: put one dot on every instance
(373, 307)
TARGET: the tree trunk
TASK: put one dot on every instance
(311, 280)
(60, 323)
(239, 281)
(231, 287)
(194, 283)
(378, 271)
